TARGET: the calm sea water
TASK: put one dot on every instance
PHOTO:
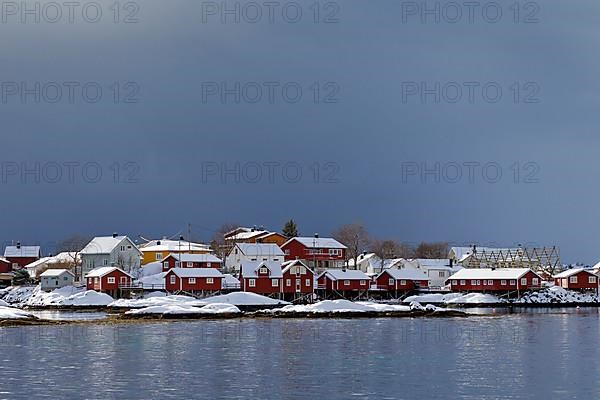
(529, 355)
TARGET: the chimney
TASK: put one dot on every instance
(18, 245)
(364, 253)
(158, 242)
(451, 263)
(474, 248)
(181, 238)
(115, 234)
(316, 235)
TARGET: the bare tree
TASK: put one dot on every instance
(219, 245)
(432, 250)
(73, 245)
(355, 237)
(384, 249)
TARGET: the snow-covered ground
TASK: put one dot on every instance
(340, 306)
(243, 299)
(556, 294)
(179, 309)
(156, 301)
(13, 313)
(66, 296)
(455, 298)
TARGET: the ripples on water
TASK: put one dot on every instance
(524, 355)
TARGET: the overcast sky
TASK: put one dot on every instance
(360, 98)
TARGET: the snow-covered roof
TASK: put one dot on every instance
(345, 274)
(22, 251)
(318, 243)
(196, 272)
(412, 274)
(4, 260)
(230, 281)
(247, 235)
(172, 245)
(56, 272)
(200, 258)
(289, 264)
(488, 273)
(572, 271)
(101, 271)
(432, 263)
(104, 244)
(260, 249)
(250, 268)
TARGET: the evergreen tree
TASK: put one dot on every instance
(290, 229)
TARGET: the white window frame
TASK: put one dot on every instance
(513, 282)
(288, 282)
(166, 265)
(208, 265)
(490, 282)
(105, 261)
(189, 264)
(210, 281)
(363, 282)
(346, 282)
(473, 282)
(573, 279)
(173, 279)
(503, 282)
(274, 282)
(263, 270)
(454, 282)
(535, 281)
(192, 281)
(523, 281)
(391, 281)
(159, 256)
(592, 279)
(307, 282)
(110, 279)
(251, 282)
(463, 282)
(403, 282)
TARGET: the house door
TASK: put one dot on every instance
(298, 285)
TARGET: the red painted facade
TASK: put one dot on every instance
(387, 282)
(21, 261)
(294, 250)
(263, 284)
(327, 283)
(109, 283)
(298, 283)
(528, 281)
(174, 283)
(5, 267)
(170, 263)
(584, 280)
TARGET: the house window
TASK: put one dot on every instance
(208, 265)
(159, 256)
(402, 282)
(173, 279)
(122, 248)
(177, 264)
(362, 282)
(253, 259)
(473, 282)
(166, 265)
(490, 283)
(210, 281)
(111, 279)
(346, 283)
(478, 282)
(591, 279)
(189, 264)
(307, 282)
(276, 259)
(274, 282)
(503, 282)
(265, 259)
(390, 281)
(288, 282)
(484, 282)
(105, 262)
(513, 282)
(262, 270)
(454, 282)
(462, 282)
(15, 265)
(96, 280)
(252, 282)
(192, 281)
(335, 252)
(573, 279)
(535, 281)
(287, 252)
(441, 274)
(524, 281)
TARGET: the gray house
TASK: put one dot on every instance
(56, 278)
(111, 251)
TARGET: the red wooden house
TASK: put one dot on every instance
(396, 281)
(5, 265)
(108, 280)
(191, 261)
(577, 279)
(262, 277)
(298, 280)
(194, 280)
(343, 283)
(495, 280)
(318, 253)
(20, 256)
